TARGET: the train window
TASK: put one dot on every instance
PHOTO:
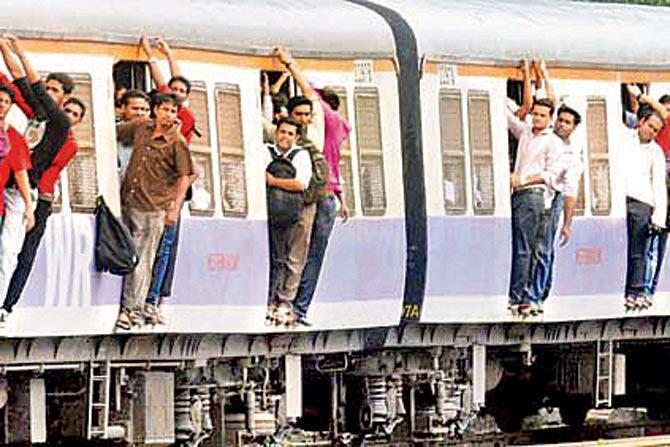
(202, 202)
(453, 151)
(346, 161)
(82, 176)
(599, 169)
(131, 75)
(580, 206)
(370, 150)
(231, 150)
(481, 152)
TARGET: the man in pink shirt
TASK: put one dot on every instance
(336, 130)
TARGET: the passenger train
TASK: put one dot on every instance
(411, 340)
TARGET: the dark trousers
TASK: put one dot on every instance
(324, 220)
(527, 214)
(27, 254)
(638, 217)
(655, 258)
(162, 275)
(543, 273)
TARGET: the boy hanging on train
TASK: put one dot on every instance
(659, 240)
(53, 146)
(14, 159)
(166, 256)
(646, 203)
(538, 155)
(152, 194)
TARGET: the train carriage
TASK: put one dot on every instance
(411, 340)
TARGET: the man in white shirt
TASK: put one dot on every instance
(646, 201)
(566, 185)
(537, 159)
(289, 240)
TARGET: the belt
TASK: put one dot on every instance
(47, 197)
(530, 190)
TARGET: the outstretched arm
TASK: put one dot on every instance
(527, 91)
(164, 48)
(155, 70)
(285, 58)
(16, 47)
(12, 64)
(541, 69)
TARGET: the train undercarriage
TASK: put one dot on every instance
(419, 385)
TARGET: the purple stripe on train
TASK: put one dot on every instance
(221, 262)
(471, 256)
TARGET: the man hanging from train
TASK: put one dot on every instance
(566, 185)
(134, 104)
(14, 159)
(336, 130)
(646, 202)
(152, 194)
(166, 256)
(538, 154)
(288, 174)
(53, 146)
(659, 240)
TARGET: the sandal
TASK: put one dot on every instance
(123, 321)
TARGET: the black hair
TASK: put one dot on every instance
(331, 98)
(575, 114)
(646, 111)
(544, 102)
(297, 101)
(162, 98)
(181, 79)
(77, 102)
(134, 93)
(291, 122)
(65, 81)
(665, 99)
(4, 88)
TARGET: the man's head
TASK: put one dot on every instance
(75, 110)
(300, 109)
(650, 123)
(665, 100)
(181, 87)
(541, 112)
(165, 107)
(286, 133)
(331, 98)
(59, 86)
(134, 104)
(567, 120)
(6, 100)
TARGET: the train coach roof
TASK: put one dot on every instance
(563, 32)
(325, 28)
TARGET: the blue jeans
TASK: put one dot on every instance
(162, 262)
(542, 275)
(655, 255)
(527, 211)
(638, 217)
(324, 220)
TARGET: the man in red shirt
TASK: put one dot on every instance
(14, 158)
(164, 264)
(53, 149)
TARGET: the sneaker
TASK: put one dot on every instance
(302, 321)
(4, 316)
(150, 314)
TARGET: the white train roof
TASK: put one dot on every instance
(328, 28)
(563, 32)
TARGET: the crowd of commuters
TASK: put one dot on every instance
(303, 134)
(545, 178)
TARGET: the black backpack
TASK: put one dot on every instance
(115, 250)
(284, 207)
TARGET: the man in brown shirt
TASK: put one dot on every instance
(151, 196)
